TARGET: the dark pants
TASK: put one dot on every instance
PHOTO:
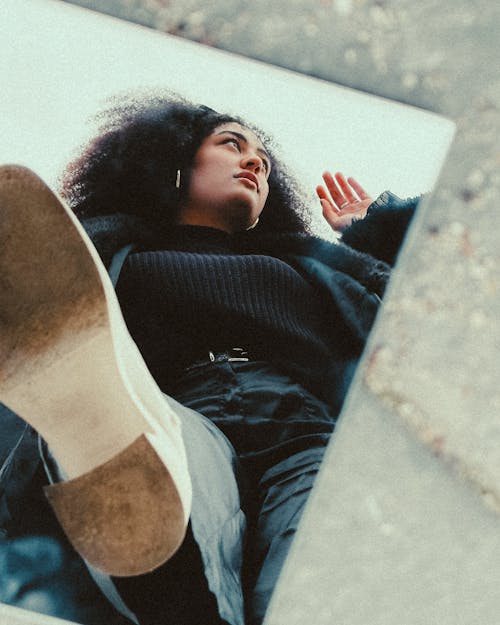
(248, 497)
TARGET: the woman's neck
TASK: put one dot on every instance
(204, 219)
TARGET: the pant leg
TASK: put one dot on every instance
(201, 584)
(282, 491)
(43, 574)
(280, 431)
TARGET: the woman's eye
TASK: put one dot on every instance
(233, 142)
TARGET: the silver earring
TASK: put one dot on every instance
(178, 179)
(253, 225)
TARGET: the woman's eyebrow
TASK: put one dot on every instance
(243, 138)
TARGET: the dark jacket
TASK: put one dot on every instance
(352, 275)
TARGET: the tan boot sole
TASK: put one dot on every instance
(69, 368)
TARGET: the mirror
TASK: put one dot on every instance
(52, 89)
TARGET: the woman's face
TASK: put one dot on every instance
(229, 180)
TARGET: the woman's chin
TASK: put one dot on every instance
(242, 218)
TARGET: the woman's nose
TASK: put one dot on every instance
(253, 163)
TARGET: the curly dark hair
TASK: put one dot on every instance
(130, 167)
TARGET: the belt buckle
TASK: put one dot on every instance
(242, 355)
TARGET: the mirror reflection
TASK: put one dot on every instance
(81, 58)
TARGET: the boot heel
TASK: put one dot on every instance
(125, 516)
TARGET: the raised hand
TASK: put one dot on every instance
(343, 201)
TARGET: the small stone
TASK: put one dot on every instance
(406, 410)
(350, 56)
(196, 18)
(343, 7)
(468, 195)
(491, 501)
(379, 16)
(409, 80)
(475, 179)
(387, 529)
(478, 319)
(363, 36)
(456, 228)
(311, 29)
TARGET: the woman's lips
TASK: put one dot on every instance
(249, 178)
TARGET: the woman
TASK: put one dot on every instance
(250, 325)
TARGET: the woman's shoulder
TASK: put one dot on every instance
(112, 232)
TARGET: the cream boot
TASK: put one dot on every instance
(69, 368)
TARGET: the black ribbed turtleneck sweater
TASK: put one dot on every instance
(201, 293)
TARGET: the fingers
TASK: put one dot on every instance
(345, 195)
(340, 194)
(337, 191)
(332, 215)
(362, 194)
(345, 187)
(325, 200)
